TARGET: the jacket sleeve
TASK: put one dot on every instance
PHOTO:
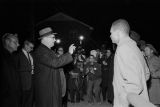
(155, 67)
(138, 101)
(53, 61)
(130, 70)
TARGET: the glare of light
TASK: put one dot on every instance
(81, 37)
(58, 41)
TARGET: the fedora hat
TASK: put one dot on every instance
(46, 32)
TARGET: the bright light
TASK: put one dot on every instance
(58, 41)
(81, 37)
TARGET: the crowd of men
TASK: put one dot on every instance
(42, 77)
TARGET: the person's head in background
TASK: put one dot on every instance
(92, 59)
(10, 42)
(142, 45)
(119, 30)
(135, 36)
(28, 46)
(108, 53)
(60, 51)
(149, 50)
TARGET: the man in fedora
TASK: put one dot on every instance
(47, 75)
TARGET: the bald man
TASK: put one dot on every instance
(130, 69)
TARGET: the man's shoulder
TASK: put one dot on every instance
(127, 47)
(155, 59)
(39, 49)
(19, 52)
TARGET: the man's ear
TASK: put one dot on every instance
(152, 51)
(118, 33)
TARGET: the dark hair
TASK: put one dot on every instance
(135, 36)
(27, 42)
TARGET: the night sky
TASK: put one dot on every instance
(22, 16)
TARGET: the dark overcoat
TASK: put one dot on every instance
(24, 69)
(9, 80)
(110, 94)
(47, 76)
(105, 72)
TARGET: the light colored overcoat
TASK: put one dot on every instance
(130, 73)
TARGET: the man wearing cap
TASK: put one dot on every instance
(47, 75)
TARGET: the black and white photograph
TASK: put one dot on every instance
(79, 53)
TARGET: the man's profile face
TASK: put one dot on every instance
(114, 35)
(108, 53)
(51, 39)
(60, 51)
(148, 51)
(13, 43)
(91, 58)
(29, 47)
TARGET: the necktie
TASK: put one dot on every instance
(30, 62)
(29, 58)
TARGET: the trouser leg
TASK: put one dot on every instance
(90, 91)
(27, 98)
(96, 89)
(104, 91)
